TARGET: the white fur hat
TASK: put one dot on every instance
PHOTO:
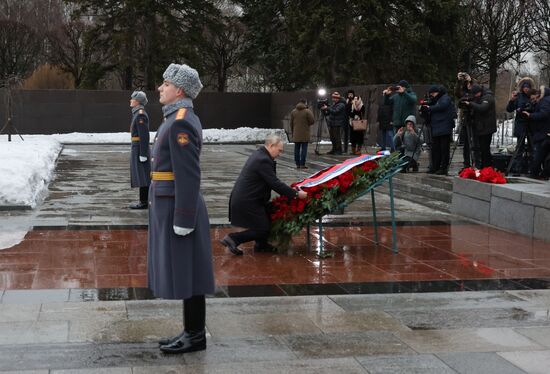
(184, 77)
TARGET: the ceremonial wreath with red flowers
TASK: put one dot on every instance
(288, 217)
(487, 175)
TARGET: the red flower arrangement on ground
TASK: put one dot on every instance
(290, 216)
(487, 175)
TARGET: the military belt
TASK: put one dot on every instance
(135, 138)
(162, 175)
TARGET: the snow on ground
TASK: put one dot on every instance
(27, 166)
(26, 169)
(239, 135)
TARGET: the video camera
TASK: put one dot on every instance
(321, 102)
(464, 99)
(528, 107)
(424, 107)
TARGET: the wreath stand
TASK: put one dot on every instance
(387, 176)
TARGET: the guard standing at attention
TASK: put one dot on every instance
(179, 257)
(140, 167)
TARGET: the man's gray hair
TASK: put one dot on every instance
(273, 139)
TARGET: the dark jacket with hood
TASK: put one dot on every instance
(338, 116)
(485, 117)
(442, 114)
(539, 120)
(301, 118)
(522, 100)
(404, 105)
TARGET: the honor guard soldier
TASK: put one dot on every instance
(179, 257)
(140, 167)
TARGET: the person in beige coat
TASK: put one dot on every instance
(301, 118)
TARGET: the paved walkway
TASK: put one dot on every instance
(468, 332)
(63, 326)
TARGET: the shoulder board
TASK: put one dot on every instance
(141, 111)
(181, 113)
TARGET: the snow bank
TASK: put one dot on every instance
(26, 168)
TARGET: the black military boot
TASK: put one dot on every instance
(194, 334)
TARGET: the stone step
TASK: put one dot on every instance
(437, 181)
(429, 196)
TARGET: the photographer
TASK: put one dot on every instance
(407, 142)
(484, 123)
(337, 118)
(520, 100)
(346, 130)
(403, 100)
(442, 119)
(385, 125)
(539, 124)
(463, 89)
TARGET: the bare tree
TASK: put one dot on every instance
(223, 48)
(20, 49)
(78, 50)
(540, 37)
(500, 29)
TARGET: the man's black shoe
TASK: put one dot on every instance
(230, 244)
(441, 172)
(330, 153)
(264, 248)
(166, 341)
(140, 205)
(188, 342)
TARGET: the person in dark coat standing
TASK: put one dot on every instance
(179, 257)
(337, 118)
(484, 124)
(140, 167)
(442, 120)
(301, 119)
(539, 124)
(519, 101)
(249, 200)
(385, 125)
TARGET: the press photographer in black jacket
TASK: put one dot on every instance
(484, 121)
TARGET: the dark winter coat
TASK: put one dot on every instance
(251, 193)
(139, 130)
(385, 112)
(338, 117)
(539, 120)
(301, 119)
(442, 114)
(404, 105)
(484, 118)
(178, 267)
(519, 103)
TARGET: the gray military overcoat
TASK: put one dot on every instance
(178, 267)
(139, 130)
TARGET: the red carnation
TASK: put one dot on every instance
(468, 173)
(369, 165)
(331, 183)
(345, 180)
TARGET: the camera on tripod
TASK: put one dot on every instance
(321, 102)
(466, 99)
(425, 103)
(528, 107)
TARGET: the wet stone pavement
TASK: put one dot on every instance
(73, 296)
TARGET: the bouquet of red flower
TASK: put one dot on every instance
(326, 190)
(487, 175)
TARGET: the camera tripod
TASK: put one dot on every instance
(520, 146)
(10, 129)
(320, 121)
(466, 124)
